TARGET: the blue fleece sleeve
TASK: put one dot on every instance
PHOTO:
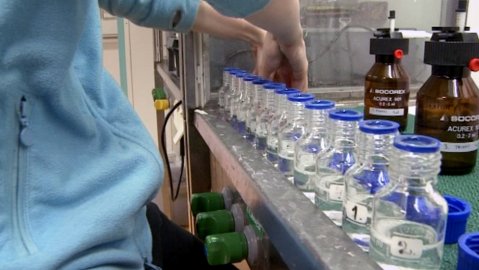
(238, 8)
(171, 15)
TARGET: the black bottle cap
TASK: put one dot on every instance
(387, 43)
(449, 47)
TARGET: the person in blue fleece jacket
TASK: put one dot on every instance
(77, 167)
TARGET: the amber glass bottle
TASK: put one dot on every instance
(386, 87)
(447, 105)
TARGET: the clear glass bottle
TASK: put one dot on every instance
(292, 132)
(224, 89)
(366, 177)
(409, 218)
(315, 140)
(277, 122)
(258, 102)
(332, 164)
(245, 103)
(447, 105)
(229, 92)
(265, 115)
(236, 91)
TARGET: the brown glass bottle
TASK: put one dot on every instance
(448, 109)
(386, 93)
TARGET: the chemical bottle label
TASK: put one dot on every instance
(386, 112)
(458, 133)
(459, 147)
(386, 102)
(336, 192)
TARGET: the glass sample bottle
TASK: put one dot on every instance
(292, 131)
(386, 87)
(245, 103)
(224, 89)
(258, 101)
(332, 164)
(229, 93)
(266, 114)
(315, 140)
(447, 105)
(409, 219)
(236, 91)
(366, 177)
(276, 123)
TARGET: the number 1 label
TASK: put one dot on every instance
(357, 212)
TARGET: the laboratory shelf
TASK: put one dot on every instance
(302, 235)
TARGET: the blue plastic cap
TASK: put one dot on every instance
(250, 78)
(241, 74)
(236, 71)
(320, 104)
(468, 254)
(459, 211)
(378, 126)
(345, 115)
(300, 97)
(417, 143)
(287, 91)
(260, 81)
(274, 86)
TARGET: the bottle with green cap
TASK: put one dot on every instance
(236, 246)
(220, 221)
(211, 201)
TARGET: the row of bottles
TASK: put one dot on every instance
(390, 209)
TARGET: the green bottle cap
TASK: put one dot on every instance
(214, 222)
(226, 248)
(206, 202)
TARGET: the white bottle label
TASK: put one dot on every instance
(386, 112)
(459, 147)
(287, 147)
(407, 248)
(357, 212)
(336, 192)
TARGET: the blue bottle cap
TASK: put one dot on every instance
(260, 81)
(241, 74)
(468, 251)
(459, 211)
(300, 97)
(417, 143)
(250, 78)
(320, 104)
(345, 115)
(287, 91)
(378, 126)
(274, 86)
(236, 71)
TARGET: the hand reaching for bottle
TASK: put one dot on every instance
(285, 63)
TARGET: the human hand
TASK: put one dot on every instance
(285, 63)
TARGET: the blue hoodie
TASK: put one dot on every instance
(76, 165)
